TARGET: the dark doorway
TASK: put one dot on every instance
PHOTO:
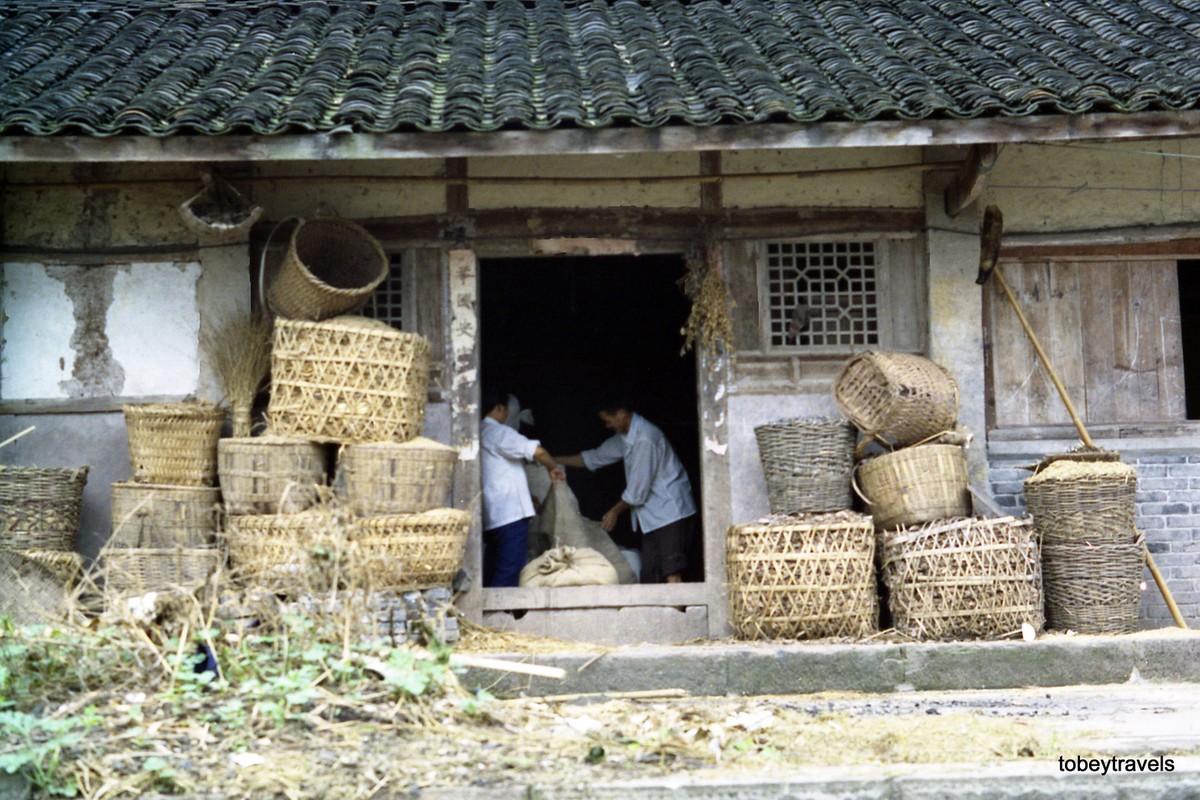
(564, 332)
(1189, 319)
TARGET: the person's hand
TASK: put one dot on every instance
(558, 474)
(609, 520)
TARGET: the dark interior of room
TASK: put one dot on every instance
(563, 332)
(1189, 319)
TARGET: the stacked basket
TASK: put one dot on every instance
(1093, 555)
(165, 521)
(807, 571)
(947, 575)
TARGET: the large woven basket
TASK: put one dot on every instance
(151, 516)
(808, 464)
(174, 443)
(285, 553)
(349, 379)
(1093, 586)
(31, 592)
(1083, 499)
(963, 578)
(412, 551)
(803, 577)
(138, 570)
(39, 508)
(898, 398)
(332, 266)
(915, 485)
(391, 478)
(269, 475)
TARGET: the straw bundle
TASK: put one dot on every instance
(241, 357)
(963, 578)
(348, 379)
(391, 478)
(915, 485)
(803, 577)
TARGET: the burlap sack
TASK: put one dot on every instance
(564, 526)
(569, 566)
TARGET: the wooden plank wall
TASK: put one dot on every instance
(1110, 328)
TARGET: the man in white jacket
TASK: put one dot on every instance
(658, 494)
(507, 503)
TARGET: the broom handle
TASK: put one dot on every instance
(1166, 593)
(1041, 354)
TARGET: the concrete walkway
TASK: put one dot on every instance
(1166, 655)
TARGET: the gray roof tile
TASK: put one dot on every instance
(109, 67)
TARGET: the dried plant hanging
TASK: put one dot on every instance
(241, 356)
(710, 322)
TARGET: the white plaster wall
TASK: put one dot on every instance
(747, 486)
(153, 327)
(35, 354)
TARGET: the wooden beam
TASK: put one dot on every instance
(648, 594)
(678, 138)
(968, 183)
(710, 192)
(458, 199)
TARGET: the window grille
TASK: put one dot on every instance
(822, 294)
(387, 301)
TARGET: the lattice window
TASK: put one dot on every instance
(387, 303)
(822, 295)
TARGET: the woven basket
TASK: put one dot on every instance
(285, 553)
(39, 508)
(31, 593)
(349, 379)
(270, 475)
(138, 570)
(389, 478)
(808, 464)
(412, 551)
(1093, 586)
(915, 485)
(64, 566)
(1091, 500)
(332, 266)
(898, 398)
(174, 443)
(149, 516)
(963, 578)
(803, 577)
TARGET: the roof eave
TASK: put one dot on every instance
(574, 141)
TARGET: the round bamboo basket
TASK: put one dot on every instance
(412, 551)
(138, 570)
(898, 398)
(149, 516)
(1091, 500)
(963, 578)
(348, 380)
(808, 464)
(1093, 586)
(174, 443)
(803, 577)
(915, 485)
(285, 553)
(39, 508)
(391, 478)
(270, 475)
(332, 266)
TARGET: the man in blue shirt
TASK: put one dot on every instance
(658, 494)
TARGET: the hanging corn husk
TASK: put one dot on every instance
(241, 356)
(710, 321)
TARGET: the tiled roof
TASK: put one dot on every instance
(217, 66)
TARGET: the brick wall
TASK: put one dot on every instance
(1168, 513)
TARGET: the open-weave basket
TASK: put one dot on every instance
(1093, 586)
(39, 508)
(392, 478)
(808, 464)
(914, 485)
(899, 398)
(269, 475)
(348, 379)
(151, 516)
(285, 553)
(332, 266)
(412, 551)
(1083, 499)
(803, 577)
(963, 578)
(138, 570)
(174, 443)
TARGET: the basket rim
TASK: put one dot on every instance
(166, 486)
(333, 324)
(419, 444)
(200, 409)
(457, 515)
(269, 440)
(341, 222)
